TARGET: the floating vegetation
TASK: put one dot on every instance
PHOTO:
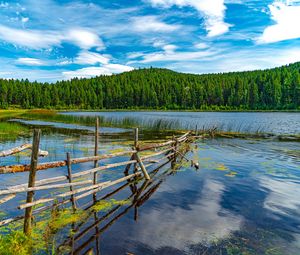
(231, 174)
(106, 205)
(222, 167)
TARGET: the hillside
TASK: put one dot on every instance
(153, 88)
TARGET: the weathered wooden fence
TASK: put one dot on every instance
(85, 182)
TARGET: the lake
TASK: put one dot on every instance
(243, 199)
(268, 122)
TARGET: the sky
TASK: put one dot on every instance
(52, 40)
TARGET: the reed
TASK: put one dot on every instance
(11, 131)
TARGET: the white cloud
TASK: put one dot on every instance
(88, 72)
(24, 19)
(241, 60)
(37, 39)
(30, 62)
(213, 12)
(84, 39)
(4, 5)
(152, 24)
(201, 46)
(176, 56)
(169, 53)
(287, 19)
(90, 58)
(135, 55)
(33, 39)
(169, 48)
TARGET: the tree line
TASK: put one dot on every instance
(154, 88)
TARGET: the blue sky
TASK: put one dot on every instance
(52, 40)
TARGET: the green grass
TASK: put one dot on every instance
(6, 114)
(10, 131)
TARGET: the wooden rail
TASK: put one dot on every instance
(85, 182)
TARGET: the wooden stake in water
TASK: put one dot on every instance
(136, 137)
(31, 180)
(96, 153)
(70, 180)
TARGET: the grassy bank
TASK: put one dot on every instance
(9, 130)
(6, 114)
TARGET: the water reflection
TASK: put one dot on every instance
(184, 211)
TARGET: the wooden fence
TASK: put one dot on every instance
(85, 182)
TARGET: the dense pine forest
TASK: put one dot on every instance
(273, 89)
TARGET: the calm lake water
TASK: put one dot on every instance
(244, 198)
(269, 122)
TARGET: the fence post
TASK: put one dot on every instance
(31, 180)
(96, 153)
(175, 151)
(135, 144)
(136, 137)
(70, 180)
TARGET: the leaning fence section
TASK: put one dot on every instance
(71, 187)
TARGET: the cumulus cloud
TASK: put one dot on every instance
(213, 12)
(37, 39)
(287, 19)
(88, 72)
(152, 24)
(84, 39)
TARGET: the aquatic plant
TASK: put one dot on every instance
(10, 131)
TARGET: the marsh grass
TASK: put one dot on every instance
(10, 131)
(155, 126)
(128, 122)
(6, 114)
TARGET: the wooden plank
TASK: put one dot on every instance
(31, 180)
(7, 198)
(44, 166)
(45, 187)
(157, 154)
(92, 188)
(79, 174)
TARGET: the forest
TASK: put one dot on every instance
(155, 88)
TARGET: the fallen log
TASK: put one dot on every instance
(21, 148)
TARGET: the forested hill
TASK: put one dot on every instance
(153, 88)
